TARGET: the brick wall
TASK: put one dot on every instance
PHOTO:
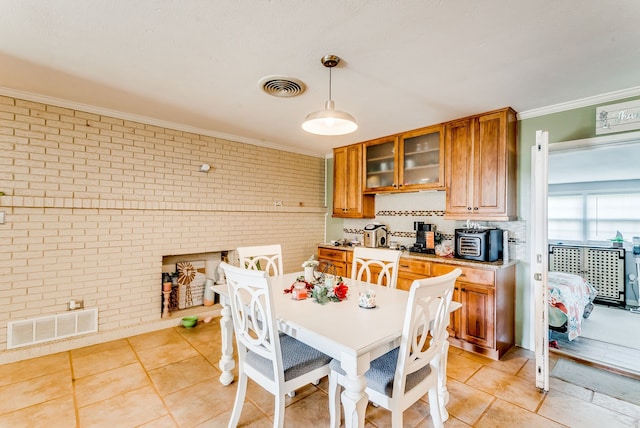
(92, 204)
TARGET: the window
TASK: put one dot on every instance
(565, 217)
(590, 216)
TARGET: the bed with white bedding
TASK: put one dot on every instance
(570, 299)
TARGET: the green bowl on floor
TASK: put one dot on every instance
(189, 322)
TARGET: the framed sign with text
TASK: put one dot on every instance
(618, 117)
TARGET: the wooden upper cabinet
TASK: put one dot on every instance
(480, 163)
(348, 198)
(458, 152)
(421, 159)
(381, 159)
(405, 162)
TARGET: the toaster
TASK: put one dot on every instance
(484, 245)
(375, 235)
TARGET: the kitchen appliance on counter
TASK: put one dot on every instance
(425, 238)
(484, 245)
(375, 235)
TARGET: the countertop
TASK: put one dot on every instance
(500, 264)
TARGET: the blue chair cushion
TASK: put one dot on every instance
(382, 370)
(297, 359)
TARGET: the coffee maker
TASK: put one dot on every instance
(425, 238)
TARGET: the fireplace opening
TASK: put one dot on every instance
(185, 279)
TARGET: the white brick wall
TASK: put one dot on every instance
(93, 203)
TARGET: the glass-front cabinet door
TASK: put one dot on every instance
(380, 165)
(410, 161)
(422, 156)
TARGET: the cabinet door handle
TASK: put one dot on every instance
(468, 208)
(404, 266)
(475, 208)
(463, 289)
(455, 288)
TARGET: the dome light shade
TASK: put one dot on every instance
(329, 121)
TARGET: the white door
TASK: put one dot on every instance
(539, 255)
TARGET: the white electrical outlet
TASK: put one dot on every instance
(73, 304)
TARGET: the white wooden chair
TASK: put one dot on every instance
(387, 260)
(267, 258)
(263, 257)
(399, 378)
(278, 363)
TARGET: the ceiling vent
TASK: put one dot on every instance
(284, 87)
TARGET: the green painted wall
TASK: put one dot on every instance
(334, 225)
(575, 124)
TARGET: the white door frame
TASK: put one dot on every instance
(539, 255)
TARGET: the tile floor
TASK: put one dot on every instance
(169, 378)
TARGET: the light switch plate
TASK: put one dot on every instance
(1, 217)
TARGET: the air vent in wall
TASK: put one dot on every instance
(48, 328)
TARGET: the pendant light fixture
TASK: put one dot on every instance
(329, 121)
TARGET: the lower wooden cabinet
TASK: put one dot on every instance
(477, 314)
(341, 259)
(411, 269)
(485, 324)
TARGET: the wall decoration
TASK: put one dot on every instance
(618, 117)
(186, 272)
(191, 280)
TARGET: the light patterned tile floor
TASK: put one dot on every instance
(169, 378)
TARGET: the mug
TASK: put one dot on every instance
(367, 299)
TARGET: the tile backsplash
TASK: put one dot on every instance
(398, 211)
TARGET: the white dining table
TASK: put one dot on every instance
(343, 330)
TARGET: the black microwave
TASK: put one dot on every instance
(484, 245)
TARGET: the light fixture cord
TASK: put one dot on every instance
(330, 83)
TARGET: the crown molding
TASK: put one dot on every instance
(44, 99)
(584, 102)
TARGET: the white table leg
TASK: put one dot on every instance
(354, 397)
(227, 363)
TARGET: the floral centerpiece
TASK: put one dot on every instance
(322, 293)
